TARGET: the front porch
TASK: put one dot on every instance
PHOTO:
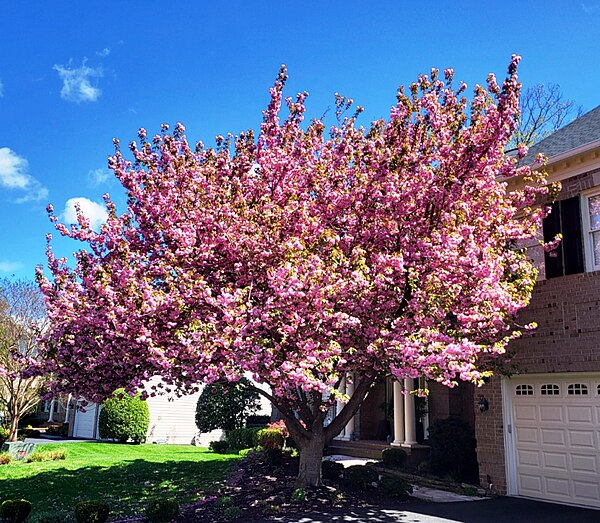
(372, 449)
(390, 416)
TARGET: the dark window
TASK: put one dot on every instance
(550, 390)
(567, 258)
(524, 390)
(577, 389)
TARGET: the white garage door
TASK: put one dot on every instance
(84, 425)
(557, 437)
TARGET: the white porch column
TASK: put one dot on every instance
(349, 430)
(410, 430)
(51, 415)
(68, 411)
(339, 406)
(398, 415)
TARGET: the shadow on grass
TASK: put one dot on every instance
(126, 486)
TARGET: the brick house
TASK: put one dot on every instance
(540, 437)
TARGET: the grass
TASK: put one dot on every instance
(126, 476)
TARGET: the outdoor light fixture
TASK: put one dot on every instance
(483, 404)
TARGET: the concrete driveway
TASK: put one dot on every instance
(498, 510)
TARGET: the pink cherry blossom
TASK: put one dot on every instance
(305, 256)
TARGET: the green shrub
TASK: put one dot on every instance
(15, 510)
(299, 495)
(224, 501)
(360, 476)
(245, 452)
(162, 510)
(395, 488)
(332, 470)
(242, 438)
(219, 447)
(272, 456)
(124, 418)
(5, 458)
(91, 511)
(270, 438)
(394, 457)
(453, 445)
(226, 406)
(63, 430)
(424, 468)
(31, 433)
(4, 432)
(231, 513)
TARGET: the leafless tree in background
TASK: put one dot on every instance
(22, 318)
(543, 110)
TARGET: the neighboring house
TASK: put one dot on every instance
(51, 412)
(540, 437)
(172, 420)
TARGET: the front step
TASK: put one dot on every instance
(357, 449)
(373, 449)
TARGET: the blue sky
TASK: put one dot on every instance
(73, 75)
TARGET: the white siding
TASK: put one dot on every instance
(172, 420)
(83, 426)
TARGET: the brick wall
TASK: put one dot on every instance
(577, 184)
(372, 412)
(489, 431)
(444, 402)
(567, 311)
(567, 339)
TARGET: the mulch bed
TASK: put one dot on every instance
(258, 490)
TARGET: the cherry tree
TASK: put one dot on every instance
(22, 319)
(304, 256)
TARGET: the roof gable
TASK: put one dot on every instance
(582, 131)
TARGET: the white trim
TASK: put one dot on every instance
(588, 245)
(509, 438)
(568, 154)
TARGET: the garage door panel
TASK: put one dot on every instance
(557, 487)
(531, 483)
(552, 436)
(584, 463)
(586, 490)
(581, 439)
(554, 460)
(556, 437)
(582, 414)
(551, 413)
(526, 412)
(528, 457)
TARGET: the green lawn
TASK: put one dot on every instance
(124, 475)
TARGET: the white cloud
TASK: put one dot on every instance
(76, 82)
(94, 212)
(9, 267)
(589, 8)
(98, 176)
(14, 175)
(104, 53)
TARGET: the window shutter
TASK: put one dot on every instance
(572, 241)
(551, 226)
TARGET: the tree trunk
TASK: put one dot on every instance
(12, 435)
(311, 457)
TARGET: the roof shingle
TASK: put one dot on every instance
(583, 130)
